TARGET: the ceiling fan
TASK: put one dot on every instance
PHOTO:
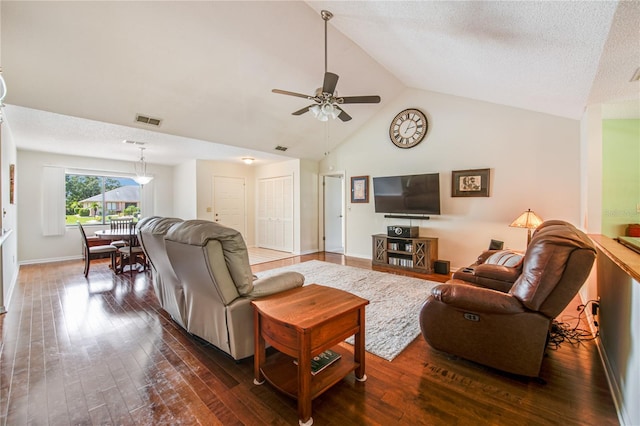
(327, 102)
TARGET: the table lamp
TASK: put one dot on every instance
(528, 220)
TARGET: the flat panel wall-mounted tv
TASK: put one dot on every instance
(415, 194)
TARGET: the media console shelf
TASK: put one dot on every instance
(417, 254)
(404, 216)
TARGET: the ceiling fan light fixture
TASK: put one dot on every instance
(324, 111)
(326, 97)
(315, 110)
(335, 112)
(327, 109)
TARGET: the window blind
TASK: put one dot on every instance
(53, 200)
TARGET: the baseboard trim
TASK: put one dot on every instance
(49, 260)
(614, 386)
(12, 286)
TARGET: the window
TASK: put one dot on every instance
(95, 200)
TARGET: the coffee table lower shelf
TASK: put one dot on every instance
(281, 372)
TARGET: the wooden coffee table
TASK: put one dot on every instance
(301, 323)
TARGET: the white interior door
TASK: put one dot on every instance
(229, 203)
(334, 214)
(275, 213)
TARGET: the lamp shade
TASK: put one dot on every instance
(528, 220)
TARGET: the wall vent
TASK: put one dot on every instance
(281, 148)
(148, 120)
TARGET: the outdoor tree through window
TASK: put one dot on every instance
(93, 199)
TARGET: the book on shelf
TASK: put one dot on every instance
(322, 361)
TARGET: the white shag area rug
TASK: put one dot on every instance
(392, 315)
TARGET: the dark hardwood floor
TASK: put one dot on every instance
(101, 351)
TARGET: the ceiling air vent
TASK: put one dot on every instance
(281, 148)
(132, 142)
(148, 120)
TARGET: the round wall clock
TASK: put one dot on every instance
(408, 128)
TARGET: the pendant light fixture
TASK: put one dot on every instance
(141, 177)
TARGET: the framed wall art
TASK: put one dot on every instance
(12, 183)
(470, 183)
(360, 189)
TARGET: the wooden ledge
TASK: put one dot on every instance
(627, 259)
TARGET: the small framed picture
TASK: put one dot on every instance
(360, 189)
(12, 183)
(470, 183)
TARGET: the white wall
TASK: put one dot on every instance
(534, 160)
(591, 172)
(206, 170)
(9, 220)
(591, 185)
(185, 194)
(309, 207)
(32, 246)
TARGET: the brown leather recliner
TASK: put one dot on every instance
(496, 269)
(507, 330)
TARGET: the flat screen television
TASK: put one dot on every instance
(414, 194)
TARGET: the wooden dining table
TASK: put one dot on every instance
(114, 235)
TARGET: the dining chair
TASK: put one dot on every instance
(95, 252)
(132, 253)
(120, 225)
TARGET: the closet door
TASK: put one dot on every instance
(275, 213)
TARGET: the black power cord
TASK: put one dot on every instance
(561, 332)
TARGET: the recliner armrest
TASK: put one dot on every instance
(276, 284)
(484, 256)
(497, 272)
(477, 299)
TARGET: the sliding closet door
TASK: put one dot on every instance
(275, 213)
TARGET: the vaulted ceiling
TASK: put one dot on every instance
(79, 72)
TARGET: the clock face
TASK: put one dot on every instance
(408, 128)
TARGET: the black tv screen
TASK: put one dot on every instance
(416, 194)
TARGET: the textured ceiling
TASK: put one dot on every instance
(79, 72)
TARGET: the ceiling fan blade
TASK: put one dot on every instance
(360, 100)
(302, 111)
(299, 95)
(330, 82)
(343, 115)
